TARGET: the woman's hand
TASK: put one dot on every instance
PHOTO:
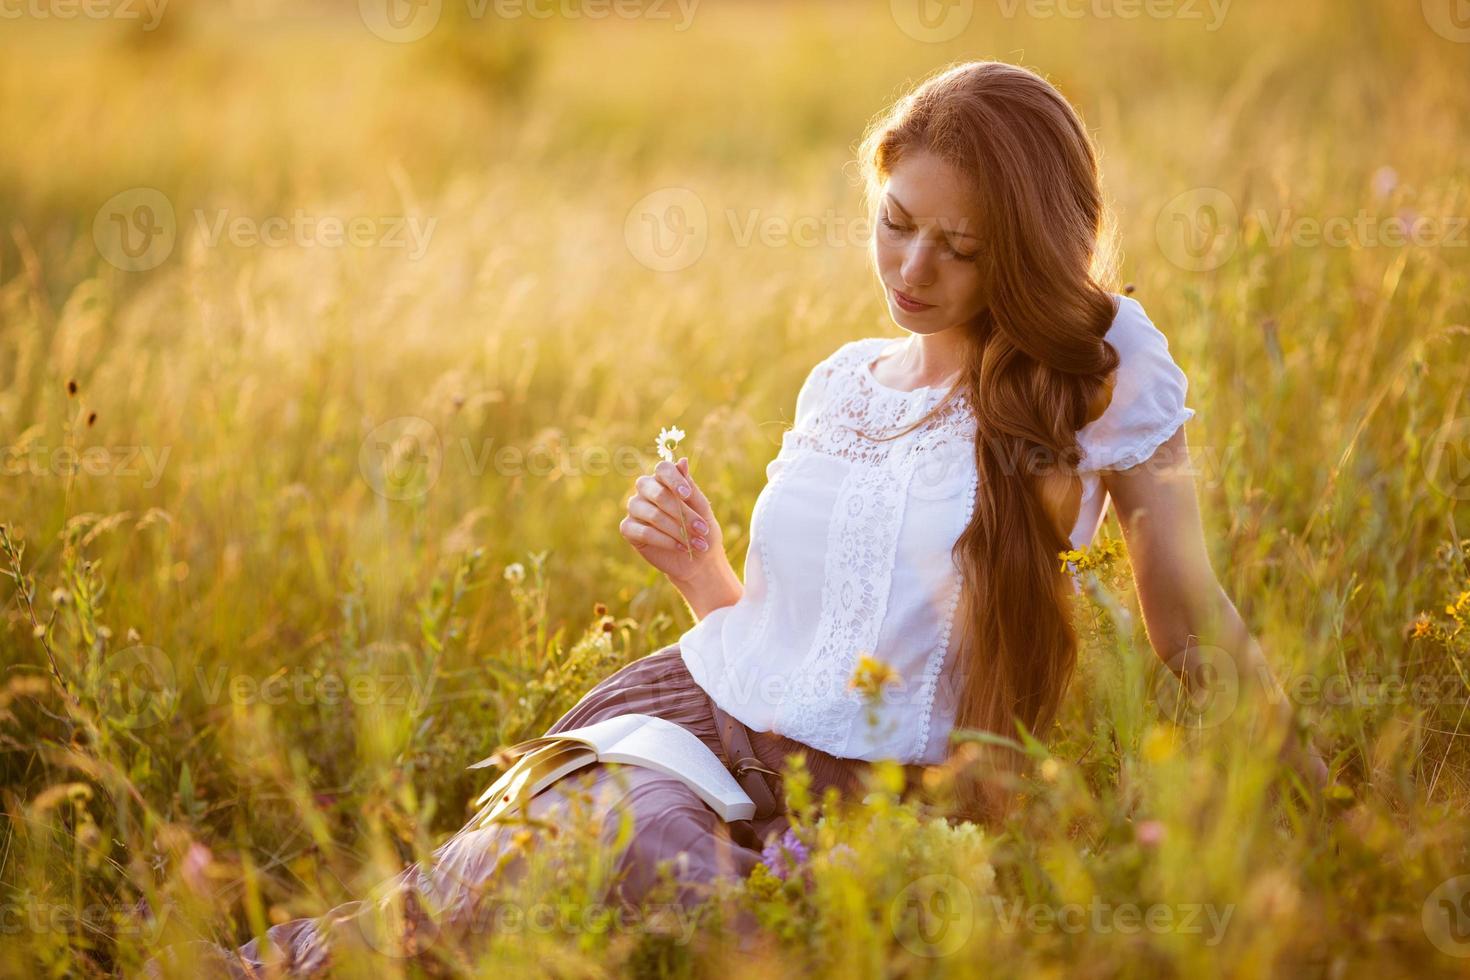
(653, 527)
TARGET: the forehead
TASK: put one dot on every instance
(927, 187)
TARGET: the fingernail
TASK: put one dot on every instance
(701, 544)
(683, 490)
(700, 526)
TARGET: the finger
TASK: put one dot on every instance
(697, 500)
(641, 536)
(665, 478)
(650, 514)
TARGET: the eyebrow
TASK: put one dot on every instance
(957, 234)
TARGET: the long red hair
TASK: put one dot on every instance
(1036, 369)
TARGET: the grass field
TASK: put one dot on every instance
(370, 332)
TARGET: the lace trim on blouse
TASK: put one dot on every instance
(863, 534)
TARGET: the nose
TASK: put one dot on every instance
(917, 268)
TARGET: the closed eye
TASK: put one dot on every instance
(949, 249)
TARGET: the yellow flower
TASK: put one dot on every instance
(870, 676)
(1158, 743)
(1422, 628)
(1098, 556)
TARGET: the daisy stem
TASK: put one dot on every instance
(687, 546)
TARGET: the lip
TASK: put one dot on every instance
(908, 303)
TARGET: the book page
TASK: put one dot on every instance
(675, 751)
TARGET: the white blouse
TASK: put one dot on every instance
(850, 549)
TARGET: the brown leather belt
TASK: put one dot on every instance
(767, 794)
(746, 766)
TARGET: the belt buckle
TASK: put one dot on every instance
(749, 764)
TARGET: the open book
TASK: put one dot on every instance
(635, 739)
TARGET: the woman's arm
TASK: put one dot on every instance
(714, 586)
(1184, 606)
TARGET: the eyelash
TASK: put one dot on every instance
(900, 228)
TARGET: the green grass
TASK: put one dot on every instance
(227, 526)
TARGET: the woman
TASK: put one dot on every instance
(915, 512)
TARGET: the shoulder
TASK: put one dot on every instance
(849, 358)
(854, 353)
(826, 378)
(1132, 331)
(1146, 394)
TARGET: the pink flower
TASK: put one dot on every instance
(1149, 833)
(195, 867)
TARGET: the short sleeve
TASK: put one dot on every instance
(1147, 404)
(809, 400)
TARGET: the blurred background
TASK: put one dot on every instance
(333, 336)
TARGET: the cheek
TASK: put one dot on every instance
(963, 289)
(885, 256)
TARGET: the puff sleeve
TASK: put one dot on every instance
(1147, 405)
(809, 401)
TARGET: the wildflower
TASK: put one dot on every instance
(1096, 558)
(1070, 557)
(870, 676)
(668, 441)
(1149, 833)
(515, 573)
(1385, 179)
(1422, 628)
(785, 854)
(1158, 744)
(195, 868)
(843, 854)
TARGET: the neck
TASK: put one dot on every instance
(931, 359)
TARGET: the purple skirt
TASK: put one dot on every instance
(669, 820)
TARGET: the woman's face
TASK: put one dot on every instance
(926, 246)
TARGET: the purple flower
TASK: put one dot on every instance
(785, 854)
